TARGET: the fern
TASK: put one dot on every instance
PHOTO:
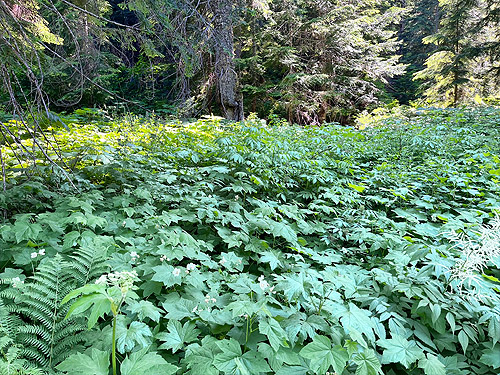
(8, 322)
(39, 305)
(88, 264)
(45, 337)
(11, 362)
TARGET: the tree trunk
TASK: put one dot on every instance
(228, 93)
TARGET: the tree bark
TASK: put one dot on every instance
(228, 94)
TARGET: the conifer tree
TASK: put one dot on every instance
(448, 66)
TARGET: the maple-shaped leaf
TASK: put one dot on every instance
(178, 335)
(400, 350)
(323, 355)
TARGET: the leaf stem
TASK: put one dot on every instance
(113, 346)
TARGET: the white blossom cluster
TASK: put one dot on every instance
(476, 255)
(123, 280)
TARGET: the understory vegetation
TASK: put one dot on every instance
(211, 247)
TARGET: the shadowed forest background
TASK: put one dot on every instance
(307, 62)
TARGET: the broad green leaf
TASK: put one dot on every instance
(451, 321)
(271, 257)
(137, 333)
(232, 361)
(431, 365)
(351, 347)
(322, 355)
(356, 319)
(293, 285)
(436, 312)
(93, 297)
(167, 275)
(200, 358)
(82, 364)
(494, 329)
(292, 370)
(368, 363)
(178, 335)
(282, 229)
(400, 350)
(145, 309)
(24, 230)
(272, 329)
(491, 357)
(142, 363)
(87, 289)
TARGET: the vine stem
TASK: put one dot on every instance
(113, 346)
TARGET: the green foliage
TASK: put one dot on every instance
(314, 62)
(269, 250)
(462, 55)
(79, 364)
(45, 337)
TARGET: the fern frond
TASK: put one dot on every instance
(11, 361)
(45, 335)
(8, 322)
(39, 306)
(88, 263)
(13, 364)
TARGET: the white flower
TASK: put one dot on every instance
(263, 283)
(41, 252)
(213, 300)
(133, 254)
(190, 267)
(176, 272)
(102, 280)
(34, 255)
(16, 281)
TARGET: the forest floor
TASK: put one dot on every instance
(248, 249)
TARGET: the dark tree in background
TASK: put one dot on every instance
(422, 18)
(462, 65)
(306, 61)
(227, 87)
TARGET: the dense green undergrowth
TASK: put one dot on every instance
(246, 249)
